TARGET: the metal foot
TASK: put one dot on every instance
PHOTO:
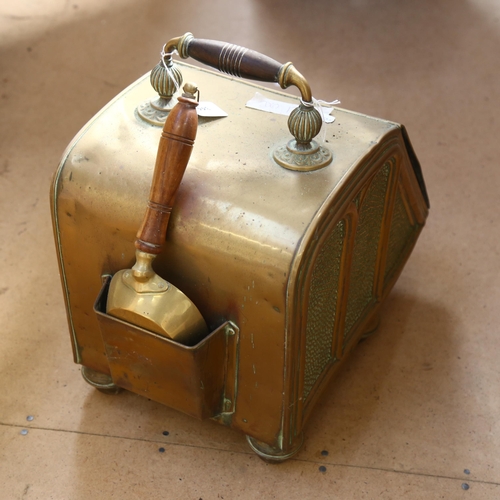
(100, 381)
(371, 327)
(275, 455)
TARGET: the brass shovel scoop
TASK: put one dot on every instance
(138, 295)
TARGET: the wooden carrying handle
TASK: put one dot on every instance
(234, 60)
(174, 151)
(239, 61)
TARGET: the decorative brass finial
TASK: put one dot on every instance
(304, 123)
(190, 90)
(303, 153)
(166, 79)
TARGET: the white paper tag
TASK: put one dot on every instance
(209, 109)
(258, 101)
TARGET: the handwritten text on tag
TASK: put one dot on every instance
(209, 109)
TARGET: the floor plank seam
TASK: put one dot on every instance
(396, 471)
(250, 453)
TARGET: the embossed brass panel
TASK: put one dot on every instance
(366, 241)
(403, 233)
(322, 307)
(371, 207)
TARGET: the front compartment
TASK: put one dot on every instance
(199, 380)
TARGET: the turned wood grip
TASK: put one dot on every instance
(174, 150)
(234, 60)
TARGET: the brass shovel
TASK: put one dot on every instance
(138, 295)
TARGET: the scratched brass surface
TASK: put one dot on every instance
(242, 235)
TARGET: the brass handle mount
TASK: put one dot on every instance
(304, 123)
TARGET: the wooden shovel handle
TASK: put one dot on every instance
(174, 150)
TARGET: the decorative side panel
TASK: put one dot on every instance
(402, 233)
(366, 244)
(322, 307)
(346, 272)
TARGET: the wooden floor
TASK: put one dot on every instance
(415, 414)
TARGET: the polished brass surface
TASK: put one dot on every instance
(142, 278)
(248, 242)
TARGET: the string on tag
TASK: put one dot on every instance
(168, 68)
(319, 104)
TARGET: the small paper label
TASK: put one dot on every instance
(209, 109)
(258, 101)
